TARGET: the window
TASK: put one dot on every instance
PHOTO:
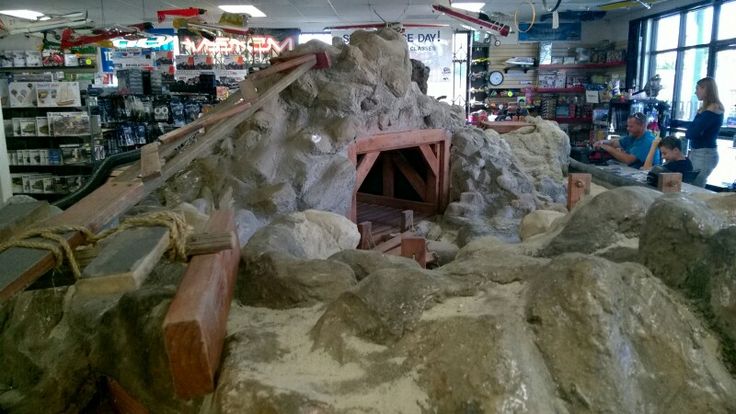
(694, 68)
(726, 30)
(666, 28)
(698, 26)
(725, 64)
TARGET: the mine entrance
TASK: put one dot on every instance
(399, 173)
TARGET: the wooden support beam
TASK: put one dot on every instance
(283, 65)
(432, 161)
(194, 327)
(387, 175)
(365, 167)
(669, 182)
(122, 402)
(401, 139)
(407, 220)
(208, 243)
(415, 180)
(392, 242)
(578, 185)
(124, 261)
(206, 120)
(415, 247)
(150, 161)
(366, 237)
(353, 157)
(248, 89)
(444, 173)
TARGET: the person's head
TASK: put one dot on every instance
(636, 125)
(707, 91)
(671, 148)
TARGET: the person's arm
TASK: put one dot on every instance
(697, 128)
(650, 156)
(611, 142)
(619, 154)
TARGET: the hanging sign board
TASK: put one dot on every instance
(541, 32)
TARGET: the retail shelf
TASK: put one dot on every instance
(573, 120)
(47, 136)
(579, 89)
(584, 66)
(81, 69)
(34, 167)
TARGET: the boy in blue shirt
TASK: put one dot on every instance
(632, 149)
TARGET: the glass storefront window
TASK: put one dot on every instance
(725, 63)
(667, 29)
(664, 66)
(695, 67)
(698, 26)
(726, 27)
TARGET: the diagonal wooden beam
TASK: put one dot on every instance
(431, 159)
(195, 324)
(415, 180)
(364, 167)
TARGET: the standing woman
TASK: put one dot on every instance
(704, 129)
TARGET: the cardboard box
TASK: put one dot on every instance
(22, 94)
(16, 181)
(4, 93)
(33, 58)
(58, 94)
(27, 127)
(42, 126)
(69, 123)
(8, 127)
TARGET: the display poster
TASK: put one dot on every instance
(541, 32)
(431, 46)
(257, 48)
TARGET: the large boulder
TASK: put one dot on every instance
(365, 262)
(674, 236)
(605, 223)
(719, 266)
(537, 222)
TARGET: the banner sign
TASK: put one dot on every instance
(541, 32)
(262, 42)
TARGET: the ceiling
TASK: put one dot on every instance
(309, 15)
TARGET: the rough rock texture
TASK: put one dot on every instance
(283, 263)
(543, 152)
(365, 262)
(604, 222)
(490, 332)
(419, 74)
(719, 268)
(537, 222)
(675, 234)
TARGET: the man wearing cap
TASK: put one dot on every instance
(632, 149)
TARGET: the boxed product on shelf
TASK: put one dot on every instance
(4, 93)
(130, 81)
(75, 153)
(553, 79)
(27, 127)
(8, 127)
(50, 57)
(33, 183)
(36, 156)
(87, 60)
(16, 182)
(69, 123)
(71, 59)
(42, 126)
(16, 126)
(22, 94)
(33, 58)
(73, 183)
(12, 158)
(54, 156)
(6, 59)
(58, 94)
(19, 58)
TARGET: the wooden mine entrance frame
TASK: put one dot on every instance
(433, 188)
(195, 323)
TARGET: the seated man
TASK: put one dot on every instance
(632, 149)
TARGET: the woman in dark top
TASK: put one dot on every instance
(704, 129)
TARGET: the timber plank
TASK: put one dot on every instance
(397, 203)
(431, 159)
(411, 175)
(125, 260)
(400, 139)
(15, 218)
(365, 167)
(194, 327)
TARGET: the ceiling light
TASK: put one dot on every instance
(473, 7)
(23, 14)
(44, 18)
(247, 9)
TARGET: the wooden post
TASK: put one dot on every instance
(366, 237)
(669, 182)
(444, 174)
(414, 247)
(194, 327)
(122, 402)
(150, 161)
(407, 220)
(578, 185)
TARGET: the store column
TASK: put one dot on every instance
(5, 184)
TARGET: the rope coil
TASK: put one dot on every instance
(55, 242)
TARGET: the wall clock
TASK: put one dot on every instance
(495, 78)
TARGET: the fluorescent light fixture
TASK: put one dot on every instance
(239, 8)
(472, 7)
(44, 18)
(23, 14)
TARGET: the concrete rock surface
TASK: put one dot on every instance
(537, 222)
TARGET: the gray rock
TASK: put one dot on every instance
(606, 356)
(720, 263)
(365, 262)
(280, 281)
(605, 220)
(537, 222)
(246, 224)
(419, 74)
(675, 235)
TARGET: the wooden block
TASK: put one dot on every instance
(16, 218)
(415, 247)
(411, 175)
(669, 182)
(194, 327)
(365, 167)
(578, 185)
(122, 402)
(124, 261)
(208, 243)
(150, 161)
(407, 220)
(366, 238)
(248, 90)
